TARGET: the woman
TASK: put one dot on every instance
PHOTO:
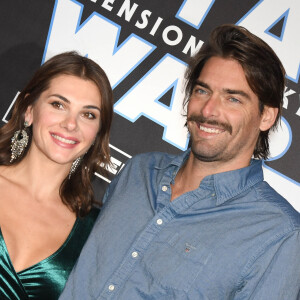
(57, 137)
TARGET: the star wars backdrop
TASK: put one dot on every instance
(143, 46)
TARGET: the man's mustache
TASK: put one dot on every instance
(202, 119)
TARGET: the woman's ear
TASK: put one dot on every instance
(268, 117)
(29, 113)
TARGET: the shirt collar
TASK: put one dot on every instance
(177, 160)
(226, 185)
(232, 183)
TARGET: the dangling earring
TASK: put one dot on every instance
(19, 142)
(75, 165)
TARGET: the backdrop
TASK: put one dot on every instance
(143, 46)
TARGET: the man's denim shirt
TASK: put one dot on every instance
(233, 237)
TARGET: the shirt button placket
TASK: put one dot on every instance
(164, 188)
(134, 254)
(159, 221)
(111, 287)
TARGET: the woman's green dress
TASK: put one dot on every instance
(46, 279)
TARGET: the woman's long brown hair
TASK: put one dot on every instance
(76, 192)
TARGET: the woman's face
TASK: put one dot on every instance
(65, 119)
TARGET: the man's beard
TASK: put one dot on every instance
(199, 119)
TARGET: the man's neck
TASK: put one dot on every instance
(194, 170)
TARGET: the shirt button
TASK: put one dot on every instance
(159, 221)
(213, 194)
(134, 254)
(164, 188)
(111, 287)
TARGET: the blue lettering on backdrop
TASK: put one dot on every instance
(264, 15)
(282, 17)
(98, 37)
(194, 12)
(142, 99)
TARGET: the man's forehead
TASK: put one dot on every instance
(223, 71)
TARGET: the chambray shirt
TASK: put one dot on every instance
(233, 237)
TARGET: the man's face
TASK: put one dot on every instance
(224, 120)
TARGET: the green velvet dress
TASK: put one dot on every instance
(46, 279)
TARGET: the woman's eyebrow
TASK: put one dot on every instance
(68, 101)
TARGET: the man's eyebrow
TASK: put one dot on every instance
(201, 83)
(237, 92)
(68, 101)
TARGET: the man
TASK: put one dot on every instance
(204, 224)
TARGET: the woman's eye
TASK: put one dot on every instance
(89, 115)
(57, 105)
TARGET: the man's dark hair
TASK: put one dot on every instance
(264, 71)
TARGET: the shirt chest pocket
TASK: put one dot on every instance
(175, 263)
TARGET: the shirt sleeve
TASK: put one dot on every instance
(114, 182)
(275, 272)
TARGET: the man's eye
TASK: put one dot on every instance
(199, 91)
(234, 100)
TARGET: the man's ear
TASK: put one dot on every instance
(268, 117)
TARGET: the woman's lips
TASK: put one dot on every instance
(68, 142)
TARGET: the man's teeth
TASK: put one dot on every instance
(63, 139)
(210, 130)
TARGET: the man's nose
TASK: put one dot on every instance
(211, 107)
